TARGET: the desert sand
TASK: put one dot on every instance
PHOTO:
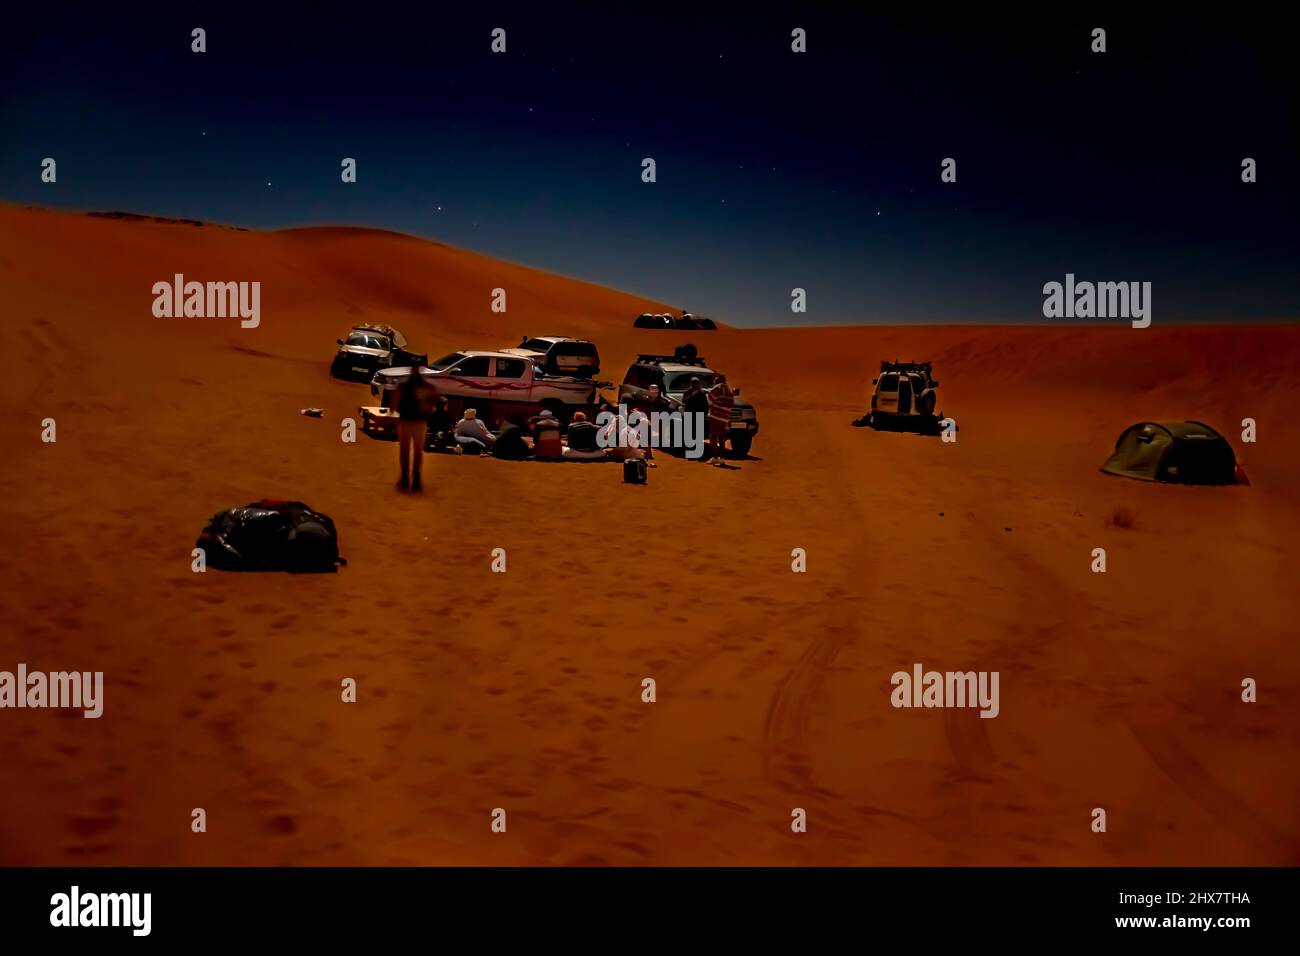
(523, 690)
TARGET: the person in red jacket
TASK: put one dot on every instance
(720, 404)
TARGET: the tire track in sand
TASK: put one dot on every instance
(966, 731)
(837, 623)
(968, 734)
(1199, 783)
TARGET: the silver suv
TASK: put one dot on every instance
(673, 374)
(560, 355)
(369, 348)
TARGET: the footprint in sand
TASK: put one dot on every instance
(87, 827)
(282, 825)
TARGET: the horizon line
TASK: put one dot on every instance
(731, 326)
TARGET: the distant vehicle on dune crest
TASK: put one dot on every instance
(697, 323)
(665, 320)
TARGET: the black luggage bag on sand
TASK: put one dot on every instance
(271, 535)
(635, 471)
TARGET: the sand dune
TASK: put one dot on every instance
(522, 690)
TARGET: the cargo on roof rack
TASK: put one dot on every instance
(903, 397)
(667, 359)
(371, 346)
(684, 355)
(905, 366)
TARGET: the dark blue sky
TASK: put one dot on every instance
(775, 170)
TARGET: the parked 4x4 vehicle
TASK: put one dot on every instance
(369, 348)
(559, 355)
(904, 397)
(673, 374)
(494, 384)
(665, 320)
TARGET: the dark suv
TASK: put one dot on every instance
(673, 374)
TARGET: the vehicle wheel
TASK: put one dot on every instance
(741, 443)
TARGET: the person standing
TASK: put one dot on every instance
(721, 402)
(652, 401)
(655, 401)
(656, 409)
(695, 403)
(415, 397)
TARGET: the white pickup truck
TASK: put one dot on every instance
(496, 384)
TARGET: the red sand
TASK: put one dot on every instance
(522, 690)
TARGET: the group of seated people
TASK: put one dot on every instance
(536, 437)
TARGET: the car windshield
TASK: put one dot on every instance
(536, 345)
(447, 361)
(682, 380)
(367, 341)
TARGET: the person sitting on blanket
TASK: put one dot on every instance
(622, 438)
(510, 442)
(472, 435)
(582, 439)
(546, 435)
(440, 433)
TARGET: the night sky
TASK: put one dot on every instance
(775, 170)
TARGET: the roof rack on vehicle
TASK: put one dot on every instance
(374, 327)
(680, 357)
(650, 359)
(905, 366)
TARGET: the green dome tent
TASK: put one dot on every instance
(1190, 453)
